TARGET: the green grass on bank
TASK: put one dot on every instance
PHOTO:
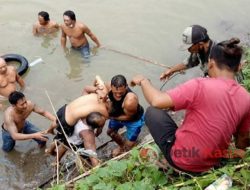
(246, 70)
(134, 174)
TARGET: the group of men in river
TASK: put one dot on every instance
(217, 107)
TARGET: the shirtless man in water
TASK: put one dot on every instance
(44, 25)
(8, 79)
(76, 31)
(16, 127)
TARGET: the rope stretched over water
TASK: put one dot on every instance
(135, 57)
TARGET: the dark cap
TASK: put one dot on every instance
(193, 34)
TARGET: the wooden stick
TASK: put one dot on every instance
(57, 163)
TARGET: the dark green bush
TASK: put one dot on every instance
(246, 69)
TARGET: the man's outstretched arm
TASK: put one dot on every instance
(92, 36)
(44, 113)
(11, 127)
(153, 96)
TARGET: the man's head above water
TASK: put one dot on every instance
(69, 18)
(118, 86)
(194, 38)
(43, 17)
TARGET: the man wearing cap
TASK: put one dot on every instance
(198, 43)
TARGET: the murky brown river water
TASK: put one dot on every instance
(145, 28)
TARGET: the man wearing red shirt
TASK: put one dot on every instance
(217, 108)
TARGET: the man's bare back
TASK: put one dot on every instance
(84, 105)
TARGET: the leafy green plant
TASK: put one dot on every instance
(131, 174)
(246, 69)
(125, 174)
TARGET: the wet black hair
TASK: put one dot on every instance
(227, 54)
(118, 81)
(70, 14)
(15, 96)
(93, 118)
(45, 15)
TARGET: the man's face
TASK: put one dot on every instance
(118, 92)
(195, 48)
(21, 104)
(67, 21)
(3, 66)
(41, 20)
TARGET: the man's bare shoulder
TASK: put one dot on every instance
(30, 104)
(54, 24)
(131, 95)
(81, 26)
(8, 111)
(131, 99)
(63, 26)
(9, 115)
(36, 24)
